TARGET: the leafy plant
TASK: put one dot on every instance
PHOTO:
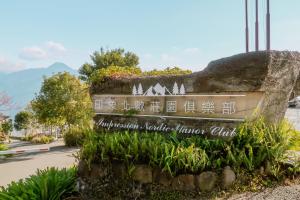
(48, 184)
(256, 144)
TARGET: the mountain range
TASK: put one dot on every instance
(22, 86)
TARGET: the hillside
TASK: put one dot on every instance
(23, 85)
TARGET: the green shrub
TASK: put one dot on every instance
(167, 71)
(74, 137)
(38, 139)
(27, 138)
(47, 184)
(256, 144)
(42, 139)
(3, 147)
(115, 72)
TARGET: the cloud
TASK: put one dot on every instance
(55, 47)
(8, 66)
(33, 53)
(45, 51)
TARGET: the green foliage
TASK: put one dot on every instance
(3, 147)
(27, 138)
(7, 127)
(256, 144)
(49, 184)
(22, 120)
(63, 100)
(42, 139)
(103, 59)
(38, 139)
(167, 71)
(74, 137)
(117, 63)
(114, 72)
(153, 149)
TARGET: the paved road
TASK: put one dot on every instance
(21, 166)
(293, 115)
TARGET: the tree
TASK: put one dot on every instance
(7, 126)
(23, 120)
(104, 59)
(5, 102)
(62, 101)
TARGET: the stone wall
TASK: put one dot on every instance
(116, 181)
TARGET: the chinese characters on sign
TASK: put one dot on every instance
(185, 104)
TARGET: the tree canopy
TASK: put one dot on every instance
(7, 126)
(22, 120)
(62, 100)
(107, 58)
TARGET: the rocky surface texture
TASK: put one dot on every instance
(116, 181)
(275, 73)
(278, 193)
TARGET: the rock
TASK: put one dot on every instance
(161, 177)
(80, 185)
(185, 182)
(98, 171)
(265, 78)
(269, 76)
(155, 174)
(83, 170)
(142, 174)
(228, 177)
(119, 170)
(287, 182)
(165, 179)
(206, 181)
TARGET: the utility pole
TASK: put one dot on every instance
(268, 27)
(256, 28)
(247, 26)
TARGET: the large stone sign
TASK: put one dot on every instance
(212, 101)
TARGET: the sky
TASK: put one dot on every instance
(163, 33)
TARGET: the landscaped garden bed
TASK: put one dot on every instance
(144, 165)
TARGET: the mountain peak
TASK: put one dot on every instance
(59, 65)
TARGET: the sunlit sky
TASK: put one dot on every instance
(163, 33)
